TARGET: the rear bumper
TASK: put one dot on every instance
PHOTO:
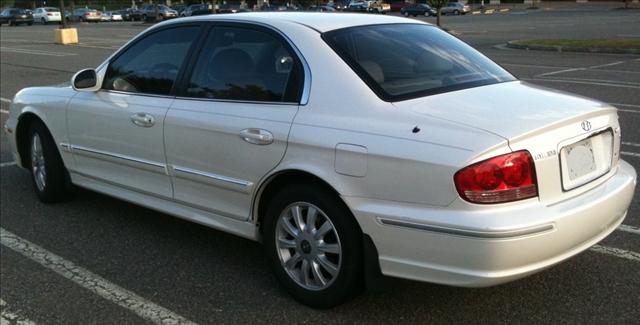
(490, 246)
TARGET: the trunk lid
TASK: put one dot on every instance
(547, 123)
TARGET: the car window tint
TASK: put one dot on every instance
(151, 65)
(403, 61)
(245, 64)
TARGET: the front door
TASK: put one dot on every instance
(116, 134)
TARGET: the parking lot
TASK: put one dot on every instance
(102, 260)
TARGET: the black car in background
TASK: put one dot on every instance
(15, 16)
(196, 10)
(131, 14)
(419, 9)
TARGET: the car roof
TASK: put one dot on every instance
(321, 22)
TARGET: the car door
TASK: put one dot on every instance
(116, 134)
(230, 124)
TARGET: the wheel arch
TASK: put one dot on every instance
(25, 120)
(269, 187)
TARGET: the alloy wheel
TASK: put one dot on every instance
(38, 166)
(308, 246)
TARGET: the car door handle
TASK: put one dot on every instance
(143, 119)
(257, 136)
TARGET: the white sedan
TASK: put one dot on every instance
(350, 145)
(111, 16)
(45, 15)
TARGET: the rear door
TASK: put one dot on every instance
(231, 123)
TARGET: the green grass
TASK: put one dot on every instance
(589, 43)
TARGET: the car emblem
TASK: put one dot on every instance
(586, 125)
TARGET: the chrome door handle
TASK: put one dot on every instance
(257, 136)
(143, 119)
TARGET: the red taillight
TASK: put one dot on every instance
(49, 14)
(87, 14)
(505, 178)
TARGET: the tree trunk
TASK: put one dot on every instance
(63, 18)
(438, 17)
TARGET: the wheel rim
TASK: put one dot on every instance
(308, 246)
(37, 163)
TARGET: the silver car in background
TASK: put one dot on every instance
(455, 8)
(430, 163)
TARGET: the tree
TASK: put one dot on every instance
(438, 4)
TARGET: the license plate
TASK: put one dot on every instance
(580, 159)
(585, 160)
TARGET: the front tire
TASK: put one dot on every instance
(314, 245)
(48, 173)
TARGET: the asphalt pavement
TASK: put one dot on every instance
(96, 259)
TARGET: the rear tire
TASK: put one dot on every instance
(48, 173)
(318, 259)
(43, 21)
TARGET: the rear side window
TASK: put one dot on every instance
(152, 64)
(404, 61)
(245, 64)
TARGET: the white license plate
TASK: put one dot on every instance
(580, 159)
(585, 160)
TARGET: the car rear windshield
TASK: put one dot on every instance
(51, 9)
(405, 61)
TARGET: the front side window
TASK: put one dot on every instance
(245, 64)
(151, 65)
(404, 61)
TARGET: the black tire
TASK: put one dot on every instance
(144, 18)
(348, 280)
(456, 12)
(11, 23)
(30, 23)
(406, 14)
(55, 187)
(43, 21)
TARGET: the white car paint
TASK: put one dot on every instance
(42, 15)
(397, 183)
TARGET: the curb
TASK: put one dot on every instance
(516, 45)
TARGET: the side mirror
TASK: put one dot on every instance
(85, 80)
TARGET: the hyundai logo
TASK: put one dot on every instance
(586, 125)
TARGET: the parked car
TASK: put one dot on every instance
(86, 15)
(357, 7)
(229, 8)
(179, 8)
(163, 12)
(439, 166)
(45, 15)
(398, 5)
(16, 16)
(111, 16)
(340, 5)
(196, 10)
(321, 8)
(420, 9)
(131, 14)
(455, 8)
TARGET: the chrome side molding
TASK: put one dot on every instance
(499, 234)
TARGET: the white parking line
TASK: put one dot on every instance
(582, 82)
(631, 229)
(628, 111)
(6, 100)
(92, 282)
(625, 105)
(631, 144)
(4, 111)
(7, 164)
(632, 154)
(580, 69)
(617, 252)
(34, 52)
(9, 317)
